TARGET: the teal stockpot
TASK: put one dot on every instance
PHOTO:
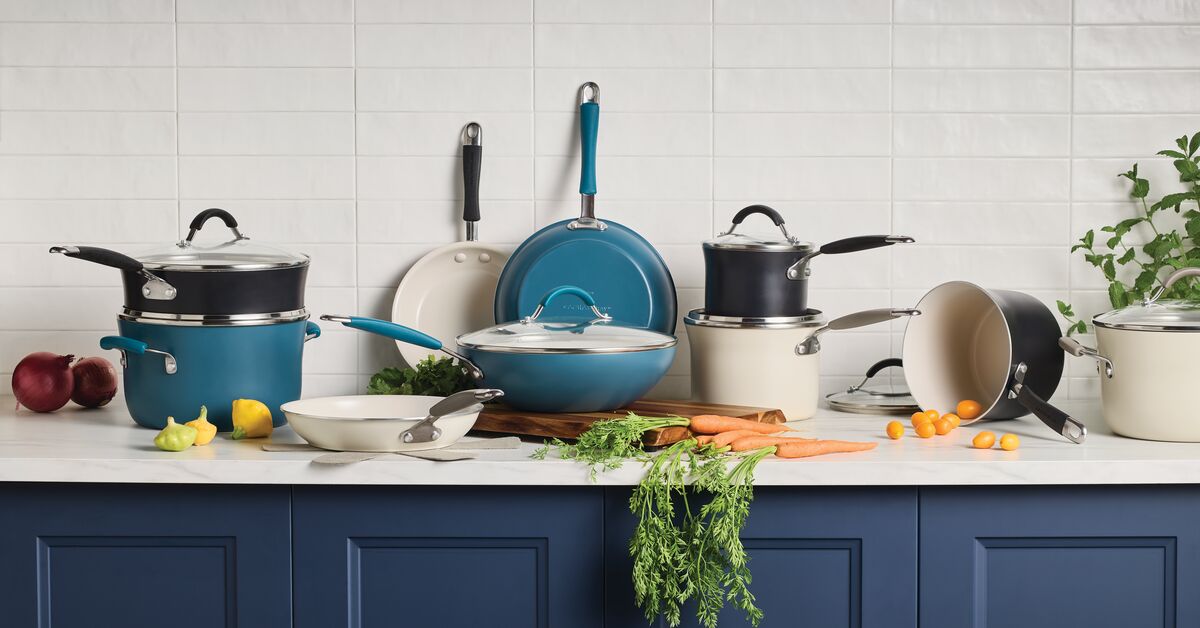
(174, 364)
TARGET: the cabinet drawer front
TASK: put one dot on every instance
(448, 557)
(145, 556)
(1047, 557)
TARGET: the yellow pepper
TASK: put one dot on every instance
(175, 437)
(205, 431)
(251, 419)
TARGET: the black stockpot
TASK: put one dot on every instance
(750, 276)
(233, 278)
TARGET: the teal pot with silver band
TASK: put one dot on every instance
(173, 364)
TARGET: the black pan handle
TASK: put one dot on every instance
(883, 364)
(97, 255)
(472, 163)
(758, 209)
(1054, 418)
(213, 212)
(862, 243)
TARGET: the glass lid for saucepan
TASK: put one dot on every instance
(1155, 314)
(773, 241)
(534, 334)
(239, 253)
(875, 397)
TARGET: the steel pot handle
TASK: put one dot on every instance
(800, 269)
(1073, 347)
(128, 345)
(1171, 280)
(396, 331)
(425, 431)
(769, 212)
(212, 212)
(812, 344)
(154, 288)
(583, 295)
(311, 331)
(1056, 419)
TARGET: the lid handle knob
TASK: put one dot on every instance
(765, 211)
(213, 212)
(576, 291)
(1171, 280)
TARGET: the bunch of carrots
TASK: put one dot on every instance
(724, 433)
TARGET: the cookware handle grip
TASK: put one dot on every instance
(883, 364)
(1054, 418)
(862, 243)
(748, 211)
(311, 331)
(213, 212)
(101, 256)
(1182, 273)
(128, 345)
(388, 329)
(425, 430)
(576, 291)
(472, 164)
(1073, 347)
(589, 124)
(868, 317)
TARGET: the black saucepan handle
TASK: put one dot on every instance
(758, 209)
(862, 243)
(472, 164)
(97, 255)
(883, 364)
(1054, 418)
(213, 212)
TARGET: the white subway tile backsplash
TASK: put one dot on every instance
(1156, 47)
(989, 91)
(266, 45)
(981, 179)
(802, 134)
(981, 135)
(802, 46)
(259, 89)
(991, 132)
(443, 90)
(266, 133)
(86, 133)
(621, 45)
(43, 44)
(293, 11)
(982, 46)
(982, 12)
(443, 45)
(801, 90)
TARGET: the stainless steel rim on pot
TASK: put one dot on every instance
(237, 276)
(768, 277)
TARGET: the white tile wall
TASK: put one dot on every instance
(990, 131)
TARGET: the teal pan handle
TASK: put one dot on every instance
(589, 124)
(387, 329)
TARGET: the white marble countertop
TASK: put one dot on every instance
(76, 445)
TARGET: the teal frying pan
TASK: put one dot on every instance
(610, 261)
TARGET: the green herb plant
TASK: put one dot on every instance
(1167, 249)
(438, 377)
(607, 444)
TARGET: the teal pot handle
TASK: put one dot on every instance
(128, 345)
(396, 331)
(311, 330)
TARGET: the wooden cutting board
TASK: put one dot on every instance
(498, 418)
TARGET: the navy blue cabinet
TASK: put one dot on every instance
(820, 557)
(142, 556)
(1101, 557)
(448, 557)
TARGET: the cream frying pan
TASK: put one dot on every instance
(451, 290)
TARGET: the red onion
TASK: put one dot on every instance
(95, 382)
(43, 381)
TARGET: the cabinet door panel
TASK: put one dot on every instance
(1046, 557)
(145, 556)
(448, 557)
(819, 557)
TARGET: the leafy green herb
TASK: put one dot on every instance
(1166, 249)
(607, 444)
(434, 376)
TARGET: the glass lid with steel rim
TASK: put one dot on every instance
(240, 253)
(1155, 314)
(811, 318)
(875, 397)
(534, 334)
(781, 241)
